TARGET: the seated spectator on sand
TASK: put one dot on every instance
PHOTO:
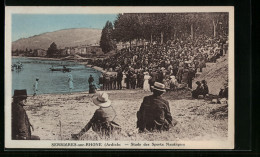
(154, 113)
(205, 88)
(102, 121)
(198, 91)
(21, 126)
(223, 93)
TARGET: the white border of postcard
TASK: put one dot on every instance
(229, 144)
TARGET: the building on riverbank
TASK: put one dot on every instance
(83, 50)
(39, 53)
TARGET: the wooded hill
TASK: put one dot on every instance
(63, 38)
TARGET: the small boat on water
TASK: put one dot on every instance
(17, 66)
(63, 69)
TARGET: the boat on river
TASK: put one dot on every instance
(63, 69)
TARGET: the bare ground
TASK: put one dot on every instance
(57, 116)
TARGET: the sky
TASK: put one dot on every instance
(26, 25)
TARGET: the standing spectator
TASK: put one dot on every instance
(101, 82)
(175, 70)
(124, 81)
(111, 80)
(106, 82)
(92, 88)
(154, 77)
(127, 80)
(114, 81)
(180, 73)
(185, 76)
(191, 75)
(225, 48)
(90, 79)
(35, 86)
(119, 79)
(21, 126)
(140, 80)
(160, 77)
(70, 80)
(133, 81)
(146, 85)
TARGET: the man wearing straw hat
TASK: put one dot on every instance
(102, 121)
(154, 113)
(21, 126)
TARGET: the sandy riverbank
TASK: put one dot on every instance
(197, 119)
(40, 58)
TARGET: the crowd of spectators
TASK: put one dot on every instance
(174, 63)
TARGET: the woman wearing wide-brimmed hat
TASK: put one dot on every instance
(102, 121)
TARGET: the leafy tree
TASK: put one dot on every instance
(164, 26)
(219, 21)
(52, 50)
(106, 42)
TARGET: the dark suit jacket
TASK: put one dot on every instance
(154, 114)
(20, 123)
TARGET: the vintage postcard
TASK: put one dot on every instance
(119, 77)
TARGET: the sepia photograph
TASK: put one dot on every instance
(119, 77)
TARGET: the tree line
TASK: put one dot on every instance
(161, 27)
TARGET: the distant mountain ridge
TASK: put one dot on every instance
(63, 38)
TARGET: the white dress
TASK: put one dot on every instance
(123, 81)
(70, 80)
(35, 87)
(146, 86)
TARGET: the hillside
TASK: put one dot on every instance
(63, 38)
(215, 74)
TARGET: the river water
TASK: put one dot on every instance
(51, 81)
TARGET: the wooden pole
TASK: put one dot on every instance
(60, 131)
